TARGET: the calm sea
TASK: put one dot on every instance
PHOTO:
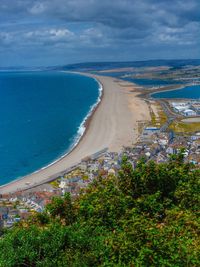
(191, 92)
(40, 118)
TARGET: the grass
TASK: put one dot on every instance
(55, 183)
(74, 173)
(185, 127)
(160, 119)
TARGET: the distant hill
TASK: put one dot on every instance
(96, 66)
(92, 66)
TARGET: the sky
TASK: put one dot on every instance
(59, 32)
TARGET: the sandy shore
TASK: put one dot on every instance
(113, 125)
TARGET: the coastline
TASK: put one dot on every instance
(85, 123)
(82, 147)
(80, 133)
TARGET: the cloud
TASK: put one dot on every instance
(5, 39)
(118, 13)
(185, 35)
(37, 8)
(112, 29)
(50, 35)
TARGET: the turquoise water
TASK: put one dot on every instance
(192, 92)
(40, 118)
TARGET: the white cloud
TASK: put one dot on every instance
(37, 8)
(54, 34)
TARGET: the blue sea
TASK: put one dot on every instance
(41, 118)
(191, 92)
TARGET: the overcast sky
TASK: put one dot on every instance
(54, 32)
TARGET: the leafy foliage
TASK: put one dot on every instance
(148, 216)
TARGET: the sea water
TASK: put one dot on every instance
(41, 118)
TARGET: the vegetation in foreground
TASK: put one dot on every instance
(148, 216)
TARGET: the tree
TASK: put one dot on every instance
(62, 208)
(148, 216)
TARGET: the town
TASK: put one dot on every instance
(153, 144)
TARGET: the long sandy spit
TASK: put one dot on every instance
(112, 125)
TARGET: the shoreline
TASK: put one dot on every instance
(84, 125)
(107, 126)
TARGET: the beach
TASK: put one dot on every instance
(112, 125)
